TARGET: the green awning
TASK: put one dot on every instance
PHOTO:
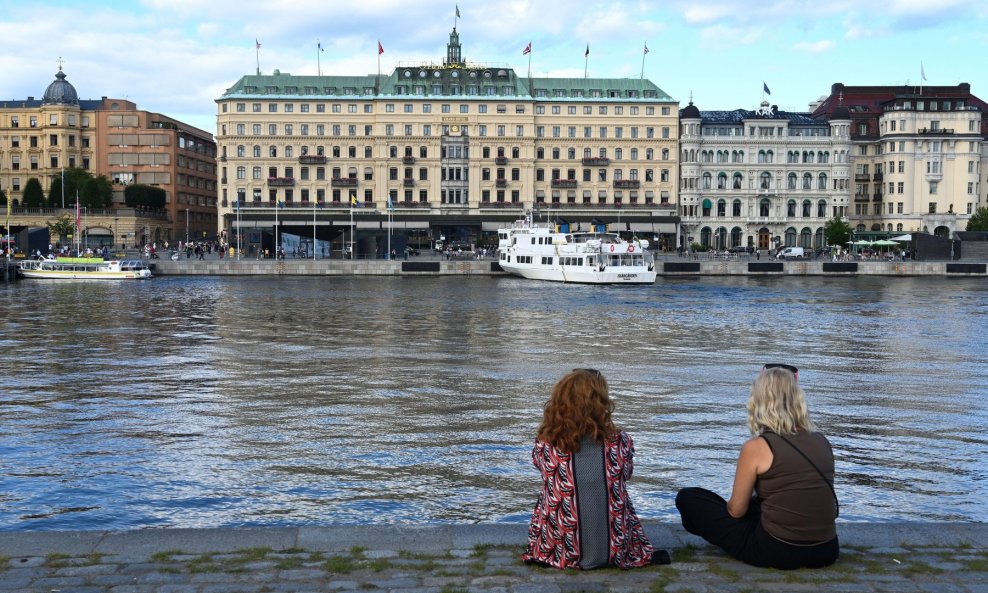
(706, 203)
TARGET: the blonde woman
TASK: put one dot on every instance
(783, 506)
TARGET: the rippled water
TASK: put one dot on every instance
(193, 402)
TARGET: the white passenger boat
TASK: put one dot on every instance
(541, 251)
(93, 268)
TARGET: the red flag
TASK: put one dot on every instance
(380, 48)
(528, 49)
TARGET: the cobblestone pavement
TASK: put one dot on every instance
(892, 557)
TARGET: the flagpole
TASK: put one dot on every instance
(239, 244)
(276, 230)
(644, 53)
(353, 198)
(257, 55)
(318, 58)
(314, 230)
(586, 61)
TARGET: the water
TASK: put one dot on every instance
(206, 402)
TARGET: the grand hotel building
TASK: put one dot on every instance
(456, 149)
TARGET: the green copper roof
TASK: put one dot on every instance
(468, 82)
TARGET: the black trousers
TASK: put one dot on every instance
(704, 513)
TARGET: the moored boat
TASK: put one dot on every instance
(90, 268)
(541, 251)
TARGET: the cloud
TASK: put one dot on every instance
(708, 13)
(724, 36)
(815, 47)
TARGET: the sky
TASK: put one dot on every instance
(177, 57)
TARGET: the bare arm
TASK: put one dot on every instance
(754, 460)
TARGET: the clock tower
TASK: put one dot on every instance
(453, 56)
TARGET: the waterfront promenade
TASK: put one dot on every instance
(666, 266)
(875, 557)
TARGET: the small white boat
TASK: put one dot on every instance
(90, 268)
(540, 251)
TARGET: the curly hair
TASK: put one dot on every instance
(579, 405)
(777, 404)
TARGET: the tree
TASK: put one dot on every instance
(75, 179)
(144, 196)
(55, 193)
(62, 227)
(96, 192)
(34, 196)
(979, 220)
(836, 231)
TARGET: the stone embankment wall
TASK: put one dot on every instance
(228, 267)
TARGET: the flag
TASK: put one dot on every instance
(587, 53)
(77, 217)
(457, 11)
(646, 47)
(922, 72)
(765, 88)
(319, 45)
(528, 49)
(380, 48)
(391, 205)
(353, 200)
(257, 43)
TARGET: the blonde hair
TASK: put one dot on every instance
(777, 404)
(579, 406)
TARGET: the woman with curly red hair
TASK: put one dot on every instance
(584, 517)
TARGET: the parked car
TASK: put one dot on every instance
(740, 249)
(791, 253)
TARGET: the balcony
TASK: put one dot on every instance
(564, 183)
(223, 159)
(865, 177)
(312, 159)
(860, 197)
(343, 182)
(626, 184)
(944, 131)
(500, 182)
(281, 181)
(412, 204)
(408, 159)
(596, 161)
(408, 182)
(876, 198)
(879, 177)
(501, 160)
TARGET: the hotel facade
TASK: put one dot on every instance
(917, 156)
(112, 137)
(454, 150)
(761, 179)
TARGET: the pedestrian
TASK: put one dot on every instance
(584, 517)
(783, 505)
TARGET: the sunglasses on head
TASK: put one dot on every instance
(779, 365)
(594, 372)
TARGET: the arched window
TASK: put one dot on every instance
(818, 238)
(765, 180)
(738, 180)
(736, 208)
(821, 208)
(665, 154)
(555, 154)
(648, 154)
(770, 157)
(720, 238)
(705, 236)
(807, 208)
(822, 181)
(761, 156)
(722, 207)
(807, 181)
(257, 151)
(706, 181)
(722, 180)
(826, 157)
(791, 208)
(540, 153)
(790, 237)
(860, 228)
(806, 238)
(765, 207)
(792, 181)
(898, 228)
(571, 153)
(240, 150)
(736, 234)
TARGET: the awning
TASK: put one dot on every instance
(706, 203)
(902, 238)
